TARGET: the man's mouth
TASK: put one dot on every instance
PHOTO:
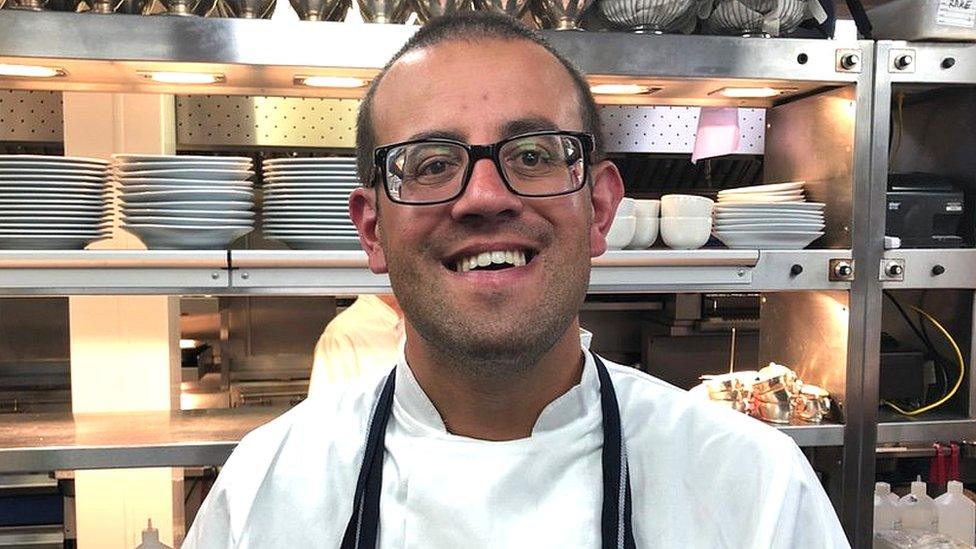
(495, 260)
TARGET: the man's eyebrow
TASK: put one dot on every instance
(437, 134)
(526, 125)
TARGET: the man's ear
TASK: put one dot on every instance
(364, 211)
(608, 190)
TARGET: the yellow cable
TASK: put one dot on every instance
(962, 370)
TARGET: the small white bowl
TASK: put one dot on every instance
(686, 233)
(686, 205)
(626, 207)
(621, 232)
(647, 208)
(645, 233)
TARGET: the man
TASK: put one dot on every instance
(485, 199)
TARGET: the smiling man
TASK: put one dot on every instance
(485, 197)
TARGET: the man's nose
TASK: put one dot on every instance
(486, 195)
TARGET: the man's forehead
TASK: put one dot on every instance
(509, 85)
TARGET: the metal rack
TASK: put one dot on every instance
(827, 91)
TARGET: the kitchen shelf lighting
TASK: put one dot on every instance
(621, 89)
(331, 81)
(750, 92)
(30, 71)
(167, 77)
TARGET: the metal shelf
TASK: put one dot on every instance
(105, 272)
(50, 442)
(108, 52)
(328, 272)
(112, 272)
(927, 431)
(958, 269)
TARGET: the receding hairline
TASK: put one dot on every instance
(474, 39)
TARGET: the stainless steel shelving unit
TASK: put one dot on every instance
(922, 68)
(827, 88)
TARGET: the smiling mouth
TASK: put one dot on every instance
(497, 260)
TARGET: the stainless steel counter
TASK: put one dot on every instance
(49, 442)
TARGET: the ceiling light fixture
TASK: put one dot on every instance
(621, 89)
(331, 81)
(166, 77)
(750, 93)
(30, 71)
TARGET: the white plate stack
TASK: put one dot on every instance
(306, 202)
(772, 217)
(53, 202)
(186, 202)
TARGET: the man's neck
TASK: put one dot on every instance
(495, 408)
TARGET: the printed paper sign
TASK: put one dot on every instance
(957, 13)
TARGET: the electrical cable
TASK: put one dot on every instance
(899, 122)
(939, 360)
(962, 370)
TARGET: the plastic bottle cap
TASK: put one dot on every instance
(882, 488)
(918, 488)
(955, 487)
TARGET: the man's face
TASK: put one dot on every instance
(480, 93)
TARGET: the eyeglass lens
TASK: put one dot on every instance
(540, 165)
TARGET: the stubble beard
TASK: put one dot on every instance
(482, 345)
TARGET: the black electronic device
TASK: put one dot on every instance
(902, 376)
(928, 211)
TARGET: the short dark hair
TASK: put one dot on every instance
(469, 26)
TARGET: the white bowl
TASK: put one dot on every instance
(647, 208)
(686, 205)
(621, 232)
(626, 207)
(685, 233)
(645, 233)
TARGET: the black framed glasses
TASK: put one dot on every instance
(435, 170)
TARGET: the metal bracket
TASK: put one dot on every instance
(902, 60)
(848, 60)
(892, 270)
(841, 270)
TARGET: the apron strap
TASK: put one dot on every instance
(616, 525)
(363, 526)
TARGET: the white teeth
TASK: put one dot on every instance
(515, 258)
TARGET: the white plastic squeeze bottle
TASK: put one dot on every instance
(885, 511)
(918, 511)
(957, 514)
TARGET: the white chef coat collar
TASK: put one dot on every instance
(579, 401)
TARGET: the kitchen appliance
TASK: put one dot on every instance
(927, 211)
(924, 20)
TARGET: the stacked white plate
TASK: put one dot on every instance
(186, 202)
(306, 202)
(52, 202)
(772, 217)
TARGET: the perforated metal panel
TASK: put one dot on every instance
(214, 121)
(31, 116)
(208, 121)
(672, 129)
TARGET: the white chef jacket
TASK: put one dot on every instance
(366, 336)
(701, 476)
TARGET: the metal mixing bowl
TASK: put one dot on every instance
(514, 8)
(321, 10)
(188, 7)
(28, 5)
(384, 11)
(560, 14)
(428, 9)
(755, 17)
(245, 9)
(655, 16)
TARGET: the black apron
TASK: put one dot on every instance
(617, 531)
